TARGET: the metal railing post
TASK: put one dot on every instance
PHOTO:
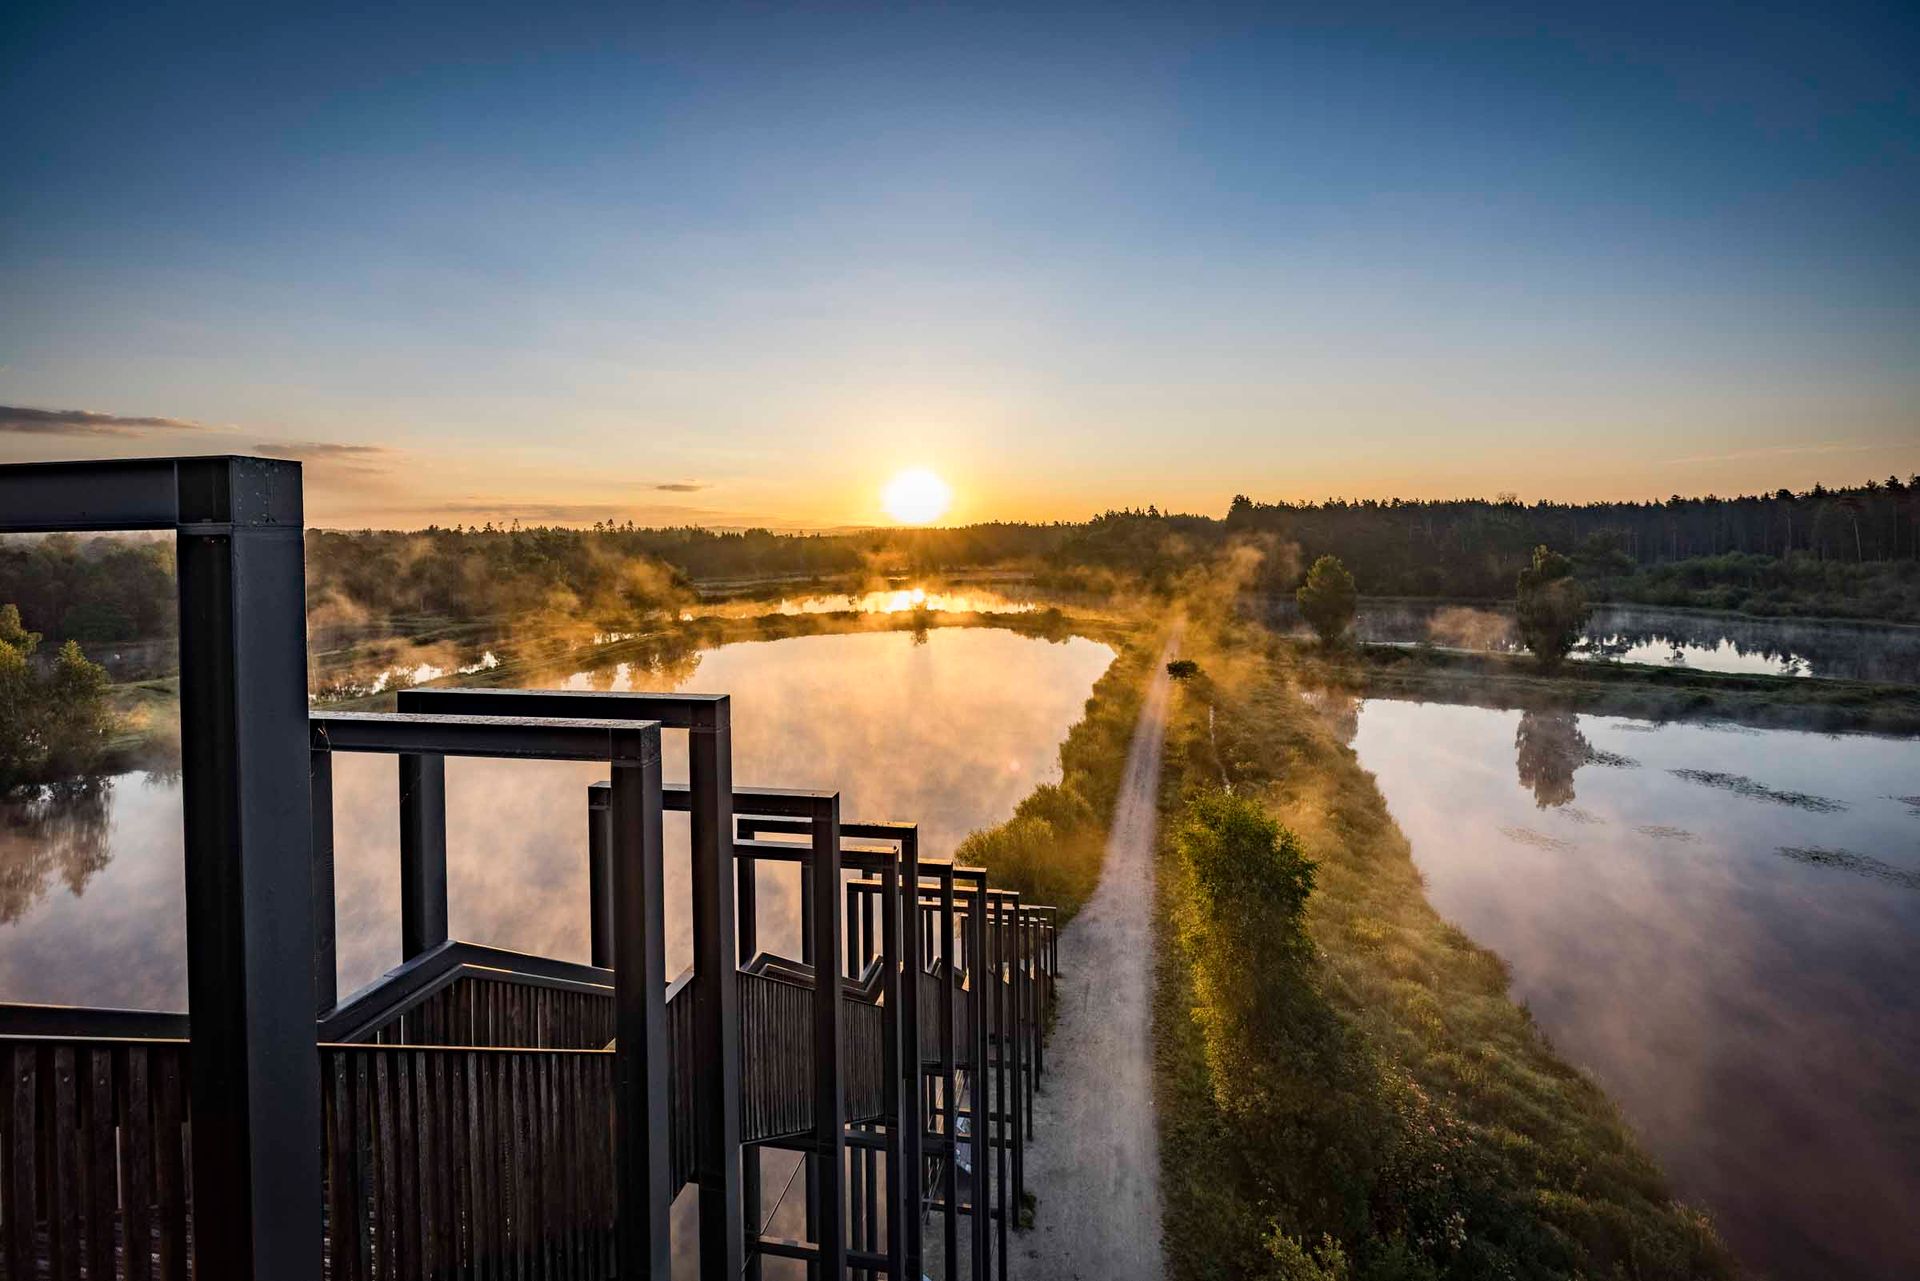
(980, 1078)
(423, 852)
(716, 1030)
(249, 875)
(907, 1117)
(829, 1098)
(600, 932)
(641, 1200)
(326, 980)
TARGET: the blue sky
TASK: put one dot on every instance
(734, 264)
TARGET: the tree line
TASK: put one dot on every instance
(1473, 547)
(1848, 551)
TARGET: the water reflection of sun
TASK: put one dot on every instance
(916, 497)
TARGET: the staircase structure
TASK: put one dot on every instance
(478, 1112)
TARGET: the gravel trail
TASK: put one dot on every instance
(1095, 1159)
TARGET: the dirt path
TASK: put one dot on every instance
(1095, 1159)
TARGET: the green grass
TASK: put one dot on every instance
(1382, 1109)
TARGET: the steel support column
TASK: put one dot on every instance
(716, 993)
(423, 852)
(326, 981)
(249, 879)
(829, 1097)
(641, 1200)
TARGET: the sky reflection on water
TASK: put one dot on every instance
(949, 728)
(1723, 925)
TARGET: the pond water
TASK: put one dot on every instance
(949, 728)
(1722, 925)
(1004, 598)
(1646, 634)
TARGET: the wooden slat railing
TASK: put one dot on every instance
(444, 1156)
(94, 1160)
(503, 1009)
(463, 1162)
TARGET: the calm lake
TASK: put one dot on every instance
(1722, 925)
(949, 728)
(1645, 634)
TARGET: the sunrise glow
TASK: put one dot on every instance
(916, 497)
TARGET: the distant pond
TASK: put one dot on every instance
(946, 727)
(1646, 634)
(1722, 925)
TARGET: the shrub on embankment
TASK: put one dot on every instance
(1346, 1088)
(1050, 851)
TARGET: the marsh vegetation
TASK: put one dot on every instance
(1348, 1089)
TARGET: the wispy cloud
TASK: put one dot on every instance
(682, 486)
(335, 461)
(85, 422)
(315, 451)
(1779, 451)
(558, 513)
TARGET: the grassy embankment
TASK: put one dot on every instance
(1051, 850)
(1370, 1103)
(1618, 689)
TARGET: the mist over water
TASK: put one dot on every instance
(949, 728)
(1723, 926)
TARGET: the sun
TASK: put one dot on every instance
(916, 496)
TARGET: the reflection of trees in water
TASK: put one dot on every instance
(1850, 651)
(1838, 650)
(664, 660)
(1339, 708)
(57, 829)
(1550, 747)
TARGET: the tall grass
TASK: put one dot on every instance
(1347, 1089)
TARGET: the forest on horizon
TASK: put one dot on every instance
(1845, 552)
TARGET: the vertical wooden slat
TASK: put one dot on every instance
(343, 1203)
(136, 1189)
(363, 1128)
(386, 1253)
(169, 1165)
(428, 1175)
(103, 1172)
(63, 1237)
(23, 1210)
(486, 1215)
(460, 1157)
(406, 1160)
